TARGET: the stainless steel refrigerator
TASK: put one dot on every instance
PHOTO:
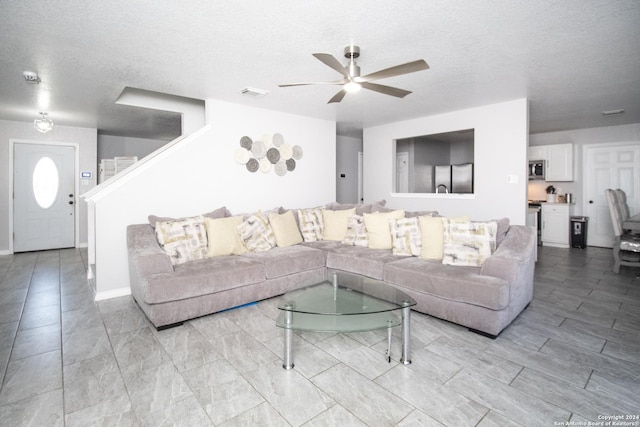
(442, 181)
(462, 178)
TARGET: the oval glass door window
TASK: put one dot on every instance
(46, 182)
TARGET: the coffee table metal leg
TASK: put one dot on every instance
(406, 336)
(288, 351)
(389, 325)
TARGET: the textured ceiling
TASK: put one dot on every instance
(572, 58)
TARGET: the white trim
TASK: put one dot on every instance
(5, 253)
(114, 293)
(446, 196)
(76, 183)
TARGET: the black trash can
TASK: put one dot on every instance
(579, 231)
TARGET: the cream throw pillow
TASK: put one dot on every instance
(378, 228)
(223, 236)
(335, 223)
(285, 229)
(432, 233)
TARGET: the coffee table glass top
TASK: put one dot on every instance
(343, 303)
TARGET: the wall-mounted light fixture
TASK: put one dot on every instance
(44, 124)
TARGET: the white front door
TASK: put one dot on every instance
(609, 166)
(43, 197)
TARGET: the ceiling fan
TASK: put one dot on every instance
(352, 81)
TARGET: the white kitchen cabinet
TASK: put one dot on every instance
(538, 153)
(555, 224)
(559, 162)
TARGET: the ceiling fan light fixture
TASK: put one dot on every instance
(43, 124)
(352, 87)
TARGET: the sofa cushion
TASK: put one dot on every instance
(378, 228)
(432, 234)
(468, 243)
(356, 232)
(223, 237)
(285, 229)
(335, 223)
(359, 260)
(283, 261)
(405, 236)
(256, 233)
(202, 277)
(460, 284)
(222, 212)
(311, 224)
(184, 240)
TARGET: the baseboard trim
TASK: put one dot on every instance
(115, 293)
(5, 252)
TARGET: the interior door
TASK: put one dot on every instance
(402, 172)
(609, 166)
(43, 197)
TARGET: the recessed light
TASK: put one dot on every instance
(613, 112)
(251, 91)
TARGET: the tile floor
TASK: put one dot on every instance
(573, 354)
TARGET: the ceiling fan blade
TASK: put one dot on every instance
(398, 70)
(387, 90)
(338, 96)
(332, 62)
(335, 82)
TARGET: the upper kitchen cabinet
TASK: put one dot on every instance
(559, 162)
(558, 159)
(538, 153)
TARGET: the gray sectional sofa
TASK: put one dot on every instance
(485, 299)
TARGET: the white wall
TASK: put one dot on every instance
(110, 146)
(579, 138)
(501, 140)
(347, 149)
(85, 138)
(199, 173)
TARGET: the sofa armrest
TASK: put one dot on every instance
(514, 257)
(145, 254)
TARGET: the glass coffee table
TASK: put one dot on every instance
(345, 303)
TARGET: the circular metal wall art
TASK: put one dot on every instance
(281, 168)
(297, 152)
(291, 164)
(253, 165)
(246, 142)
(265, 165)
(273, 154)
(278, 139)
(286, 151)
(242, 156)
(258, 149)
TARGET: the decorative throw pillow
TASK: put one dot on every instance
(256, 233)
(335, 223)
(311, 224)
(378, 228)
(405, 236)
(468, 243)
(356, 232)
(223, 237)
(432, 234)
(285, 229)
(222, 212)
(184, 240)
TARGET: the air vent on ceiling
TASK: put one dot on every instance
(31, 77)
(251, 91)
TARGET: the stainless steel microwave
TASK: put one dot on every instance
(536, 169)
